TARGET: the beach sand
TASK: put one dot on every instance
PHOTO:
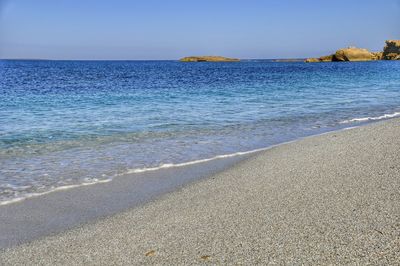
(328, 199)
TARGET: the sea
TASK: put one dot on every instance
(71, 123)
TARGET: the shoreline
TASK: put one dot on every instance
(226, 181)
(16, 231)
(343, 125)
(59, 210)
(180, 174)
(143, 170)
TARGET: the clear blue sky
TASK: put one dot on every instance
(169, 29)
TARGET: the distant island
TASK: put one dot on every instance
(391, 51)
(208, 59)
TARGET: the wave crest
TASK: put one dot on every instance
(369, 118)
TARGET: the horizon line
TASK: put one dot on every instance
(44, 59)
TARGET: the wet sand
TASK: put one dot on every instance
(328, 199)
(61, 210)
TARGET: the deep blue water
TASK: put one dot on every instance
(70, 122)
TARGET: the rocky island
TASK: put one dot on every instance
(391, 51)
(208, 59)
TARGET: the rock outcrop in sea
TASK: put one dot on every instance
(391, 51)
(208, 59)
(353, 54)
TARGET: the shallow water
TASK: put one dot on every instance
(72, 122)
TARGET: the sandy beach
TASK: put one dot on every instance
(199, 133)
(328, 199)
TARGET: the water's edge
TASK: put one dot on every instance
(52, 213)
(133, 172)
(59, 210)
(345, 125)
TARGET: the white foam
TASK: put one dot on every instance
(363, 119)
(133, 171)
(30, 195)
(171, 165)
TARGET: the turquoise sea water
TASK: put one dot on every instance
(72, 122)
